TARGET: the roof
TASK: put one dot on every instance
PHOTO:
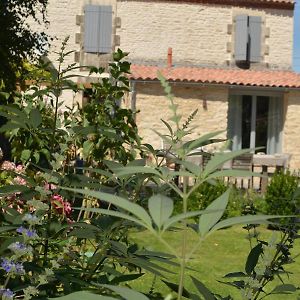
(280, 4)
(238, 77)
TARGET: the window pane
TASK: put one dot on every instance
(246, 121)
(262, 109)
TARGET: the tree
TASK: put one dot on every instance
(18, 42)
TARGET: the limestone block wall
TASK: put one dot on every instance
(200, 34)
(211, 103)
(291, 132)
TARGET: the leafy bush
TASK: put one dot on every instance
(279, 196)
(49, 251)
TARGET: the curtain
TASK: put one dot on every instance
(275, 125)
(235, 121)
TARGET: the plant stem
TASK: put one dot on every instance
(184, 241)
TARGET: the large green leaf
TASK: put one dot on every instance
(219, 159)
(133, 208)
(10, 189)
(114, 213)
(284, 289)
(253, 258)
(160, 208)
(203, 290)
(248, 219)
(201, 141)
(35, 118)
(84, 296)
(126, 293)
(125, 171)
(217, 208)
(181, 217)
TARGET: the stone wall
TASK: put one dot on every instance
(211, 103)
(200, 34)
(291, 133)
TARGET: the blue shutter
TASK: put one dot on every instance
(255, 24)
(91, 28)
(241, 38)
(98, 29)
(105, 45)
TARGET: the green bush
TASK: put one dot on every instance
(280, 194)
(207, 192)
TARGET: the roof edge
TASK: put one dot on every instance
(246, 3)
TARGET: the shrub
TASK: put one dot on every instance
(280, 194)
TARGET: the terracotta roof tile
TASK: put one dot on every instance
(270, 78)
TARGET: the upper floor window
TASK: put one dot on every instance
(98, 28)
(248, 36)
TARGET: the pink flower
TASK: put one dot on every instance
(8, 166)
(19, 180)
(19, 169)
(61, 206)
(50, 186)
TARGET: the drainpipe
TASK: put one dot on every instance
(133, 98)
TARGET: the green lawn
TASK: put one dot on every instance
(223, 252)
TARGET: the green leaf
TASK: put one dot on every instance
(87, 148)
(208, 220)
(219, 159)
(125, 171)
(113, 213)
(25, 155)
(284, 289)
(160, 208)
(84, 295)
(174, 287)
(133, 208)
(168, 126)
(203, 290)
(35, 118)
(181, 217)
(253, 258)
(201, 141)
(10, 189)
(248, 219)
(126, 293)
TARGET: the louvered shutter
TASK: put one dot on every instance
(241, 38)
(97, 29)
(255, 24)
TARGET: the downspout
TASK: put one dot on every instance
(133, 98)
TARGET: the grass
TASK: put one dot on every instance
(224, 252)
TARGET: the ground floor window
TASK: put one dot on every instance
(256, 121)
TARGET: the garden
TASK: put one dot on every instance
(88, 211)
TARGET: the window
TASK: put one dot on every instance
(98, 29)
(248, 32)
(256, 121)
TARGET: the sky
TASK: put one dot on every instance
(297, 38)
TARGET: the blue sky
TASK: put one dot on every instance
(297, 38)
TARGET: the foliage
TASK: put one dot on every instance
(50, 247)
(104, 111)
(42, 131)
(280, 192)
(19, 42)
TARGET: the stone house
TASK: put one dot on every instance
(230, 59)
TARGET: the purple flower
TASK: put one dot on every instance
(6, 294)
(27, 232)
(20, 229)
(9, 266)
(20, 249)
